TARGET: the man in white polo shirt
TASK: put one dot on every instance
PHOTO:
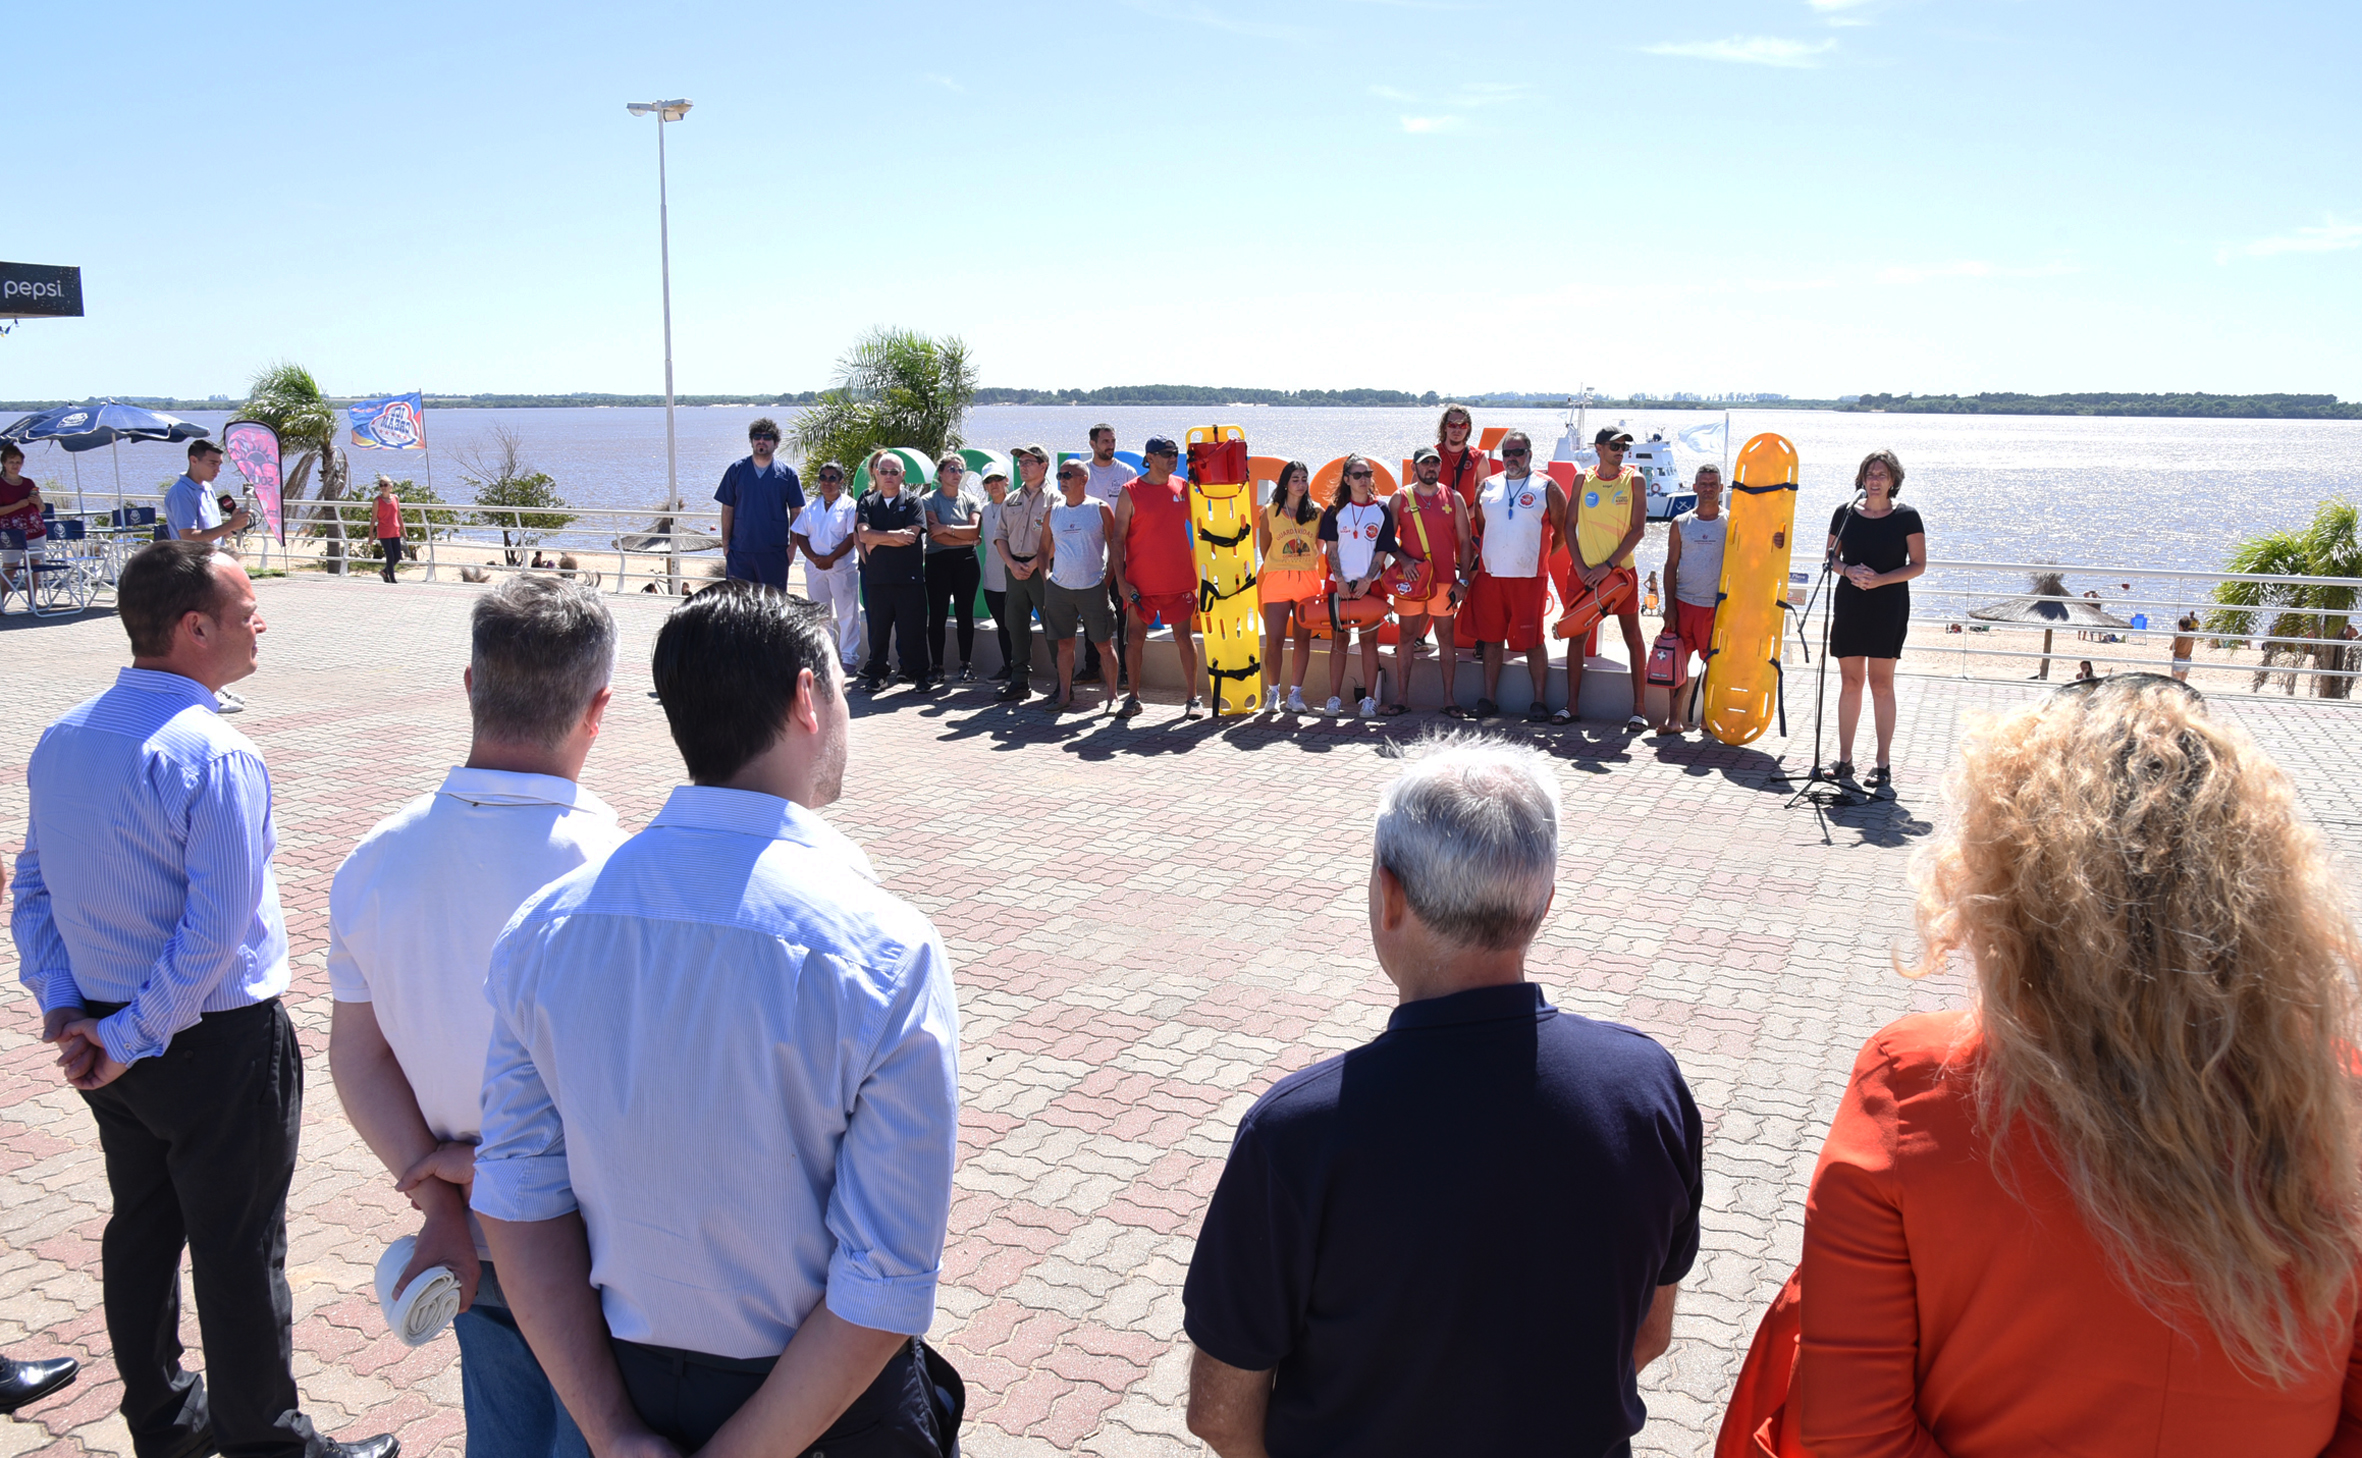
(832, 565)
(412, 917)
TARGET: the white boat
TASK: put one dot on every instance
(1653, 458)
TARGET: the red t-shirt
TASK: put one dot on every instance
(17, 511)
(389, 517)
(1158, 558)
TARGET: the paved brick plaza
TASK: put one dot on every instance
(1149, 923)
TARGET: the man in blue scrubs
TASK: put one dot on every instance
(760, 497)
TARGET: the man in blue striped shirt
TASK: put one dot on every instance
(721, 1105)
(147, 924)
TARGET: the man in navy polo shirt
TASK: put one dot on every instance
(1467, 1235)
(760, 497)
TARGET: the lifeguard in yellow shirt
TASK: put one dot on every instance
(1609, 505)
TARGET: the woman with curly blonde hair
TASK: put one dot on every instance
(2116, 1207)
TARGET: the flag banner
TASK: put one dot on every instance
(1704, 439)
(389, 423)
(253, 448)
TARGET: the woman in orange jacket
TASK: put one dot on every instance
(2115, 1209)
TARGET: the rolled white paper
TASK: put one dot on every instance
(426, 1305)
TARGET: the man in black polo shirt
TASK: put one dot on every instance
(893, 534)
(1467, 1235)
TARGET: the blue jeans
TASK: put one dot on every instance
(512, 1411)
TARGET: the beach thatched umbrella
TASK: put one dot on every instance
(2050, 605)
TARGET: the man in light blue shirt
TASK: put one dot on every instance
(147, 923)
(190, 512)
(721, 1105)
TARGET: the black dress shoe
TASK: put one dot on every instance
(26, 1382)
(384, 1445)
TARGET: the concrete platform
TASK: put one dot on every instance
(1151, 920)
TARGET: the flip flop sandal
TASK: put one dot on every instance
(1454, 711)
(1537, 715)
(1388, 711)
(1562, 717)
(1486, 709)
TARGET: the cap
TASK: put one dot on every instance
(1160, 445)
(1609, 435)
(1426, 453)
(995, 474)
(1038, 452)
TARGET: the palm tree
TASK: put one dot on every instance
(895, 387)
(286, 398)
(2331, 546)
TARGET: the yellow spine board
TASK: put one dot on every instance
(1223, 522)
(1743, 671)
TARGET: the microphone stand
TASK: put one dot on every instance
(1835, 794)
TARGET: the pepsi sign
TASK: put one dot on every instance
(40, 291)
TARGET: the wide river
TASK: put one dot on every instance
(2066, 489)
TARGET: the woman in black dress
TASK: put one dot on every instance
(1880, 546)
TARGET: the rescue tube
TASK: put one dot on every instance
(1742, 687)
(1586, 606)
(1222, 524)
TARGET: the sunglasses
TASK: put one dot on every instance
(1357, 475)
(1516, 454)
(830, 476)
(774, 440)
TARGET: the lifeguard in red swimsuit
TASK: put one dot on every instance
(1155, 567)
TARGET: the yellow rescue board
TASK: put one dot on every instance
(1222, 521)
(1743, 671)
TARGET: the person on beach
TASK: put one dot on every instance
(1693, 577)
(723, 1086)
(2185, 646)
(828, 530)
(1460, 466)
(2083, 673)
(412, 916)
(892, 529)
(148, 930)
(388, 511)
(952, 571)
(1358, 532)
(1881, 545)
(1468, 1235)
(2110, 1208)
(190, 512)
(994, 574)
(1610, 510)
(760, 497)
(1074, 552)
(1432, 553)
(1518, 514)
(1025, 517)
(1155, 567)
(1293, 583)
(1109, 477)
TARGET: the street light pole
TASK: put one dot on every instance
(667, 111)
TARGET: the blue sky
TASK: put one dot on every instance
(1806, 196)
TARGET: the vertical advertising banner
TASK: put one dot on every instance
(253, 448)
(389, 423)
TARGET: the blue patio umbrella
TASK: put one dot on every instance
(77, 428)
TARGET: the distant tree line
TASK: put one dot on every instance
(2228, 407)
(1200, 395)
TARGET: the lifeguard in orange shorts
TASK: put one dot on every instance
(1518, 514)
(1156, 568)
(1293, 582)
(1431, 554)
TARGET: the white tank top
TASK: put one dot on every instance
(1082, 545)
(1513, 515)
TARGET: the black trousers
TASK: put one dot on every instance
(897, 610)
(1123, 636)
(200, 1147)
(392, 546)
(997, 603)
(686, 1397)
(952, 578)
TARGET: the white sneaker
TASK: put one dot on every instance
(1296, 704)
(1369, 708)
(1271, 702)
(1336, 706)
(226, 702)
